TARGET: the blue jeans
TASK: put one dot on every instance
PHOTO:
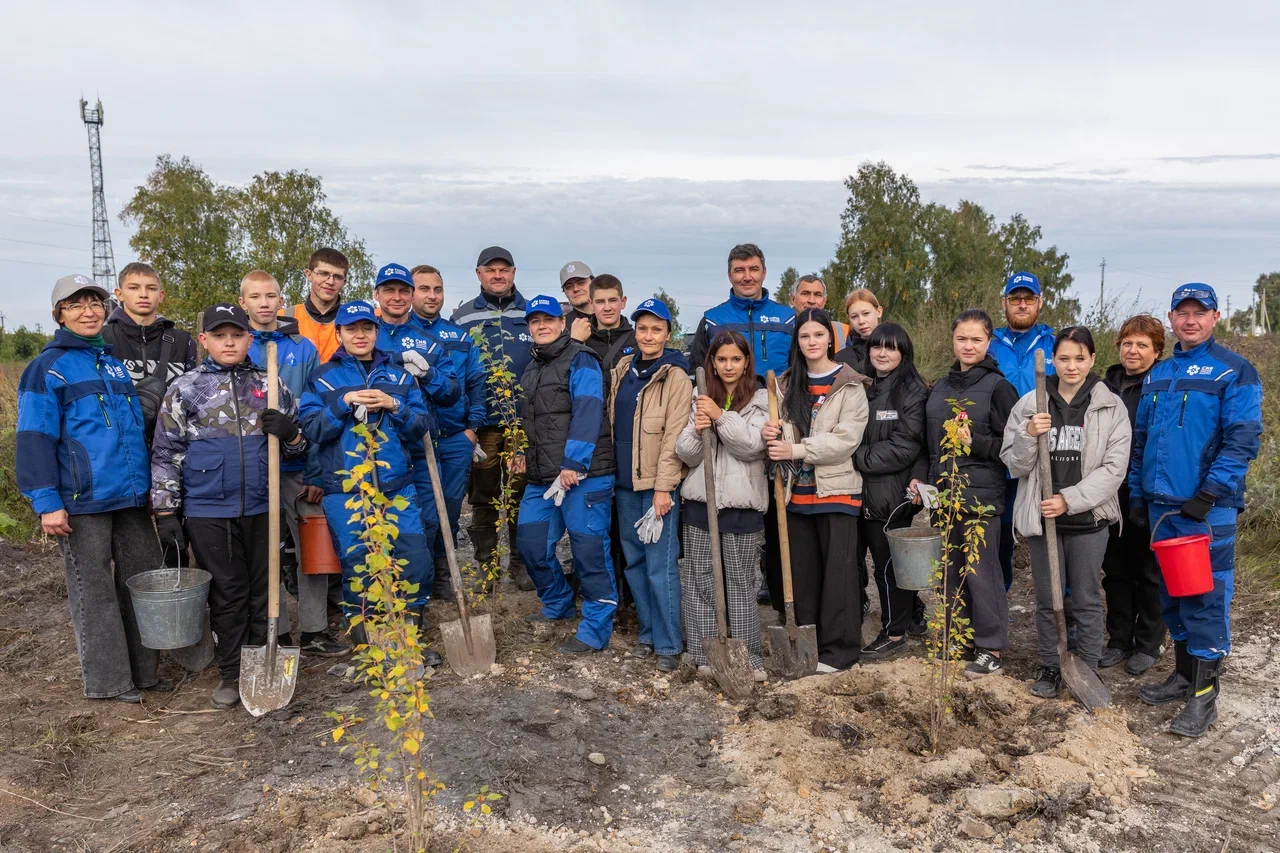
(454, 455)
(652, 570)
(584, 512)
(1203, 621)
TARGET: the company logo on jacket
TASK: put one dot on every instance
(116, 372)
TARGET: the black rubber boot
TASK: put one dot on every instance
(1175, 687)
(1201, 710)
(418, 616)
(520, 574)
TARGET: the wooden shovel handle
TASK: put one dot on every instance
(1050, 524)
(780, 502)
(273, 488)
(713, 520)
(446, 534)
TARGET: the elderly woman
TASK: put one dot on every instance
(82, 462)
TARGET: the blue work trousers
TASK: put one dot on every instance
(584, 512)
(425, 503)
(454, 455)
(410, 545)
(1202, 621)
(653, 570)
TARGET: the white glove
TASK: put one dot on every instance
(361, 413)
(478, 455)
(649, 527)
(928, 495)
(556, 493)
(415, 364)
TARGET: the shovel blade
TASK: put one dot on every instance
(265, 689)
(482, 653)
(792, 659)
(1084, 683)
(731, 666)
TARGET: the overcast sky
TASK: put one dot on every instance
(648, 138)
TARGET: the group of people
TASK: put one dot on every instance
(127, 447)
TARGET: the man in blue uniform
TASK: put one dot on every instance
(1199, 425)
(767, 325)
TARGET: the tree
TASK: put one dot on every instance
(1267, 288)
(1022, 252)
(21, 344)
(786, 281)
(677, 333)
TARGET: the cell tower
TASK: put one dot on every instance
(104, 261)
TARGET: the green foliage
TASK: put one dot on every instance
(202, 237)
(677, 332)
(18, 523)
(786, 281)
(22, 344)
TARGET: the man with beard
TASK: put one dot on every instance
(1014, 349)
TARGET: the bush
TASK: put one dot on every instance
(17, 521)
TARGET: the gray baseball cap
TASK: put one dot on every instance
(69, 285)
(574, 269)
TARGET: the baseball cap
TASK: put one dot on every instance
(653, 306)
(225, 314)
(1022, 281)
(69, 285)
(494, 253)
(574, 269)
(1202, 293)
(355, 312)
(393, 272)
(543, 305)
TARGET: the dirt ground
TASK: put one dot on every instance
(604, 754)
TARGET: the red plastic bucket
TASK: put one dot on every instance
(318, 556)
(1184, 562)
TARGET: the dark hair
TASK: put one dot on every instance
(795, 403)
(745, 252)
(604, 281)
(746, 385)
(136, 268)
(892, 336)
(974, 315)
(1077, 335)
(1143, 324)
(332, 257)
(425, 269)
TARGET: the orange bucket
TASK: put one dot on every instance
(1184, 562)
(318, 556)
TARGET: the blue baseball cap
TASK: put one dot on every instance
(540, 304)
(393, 272)
(1022, 281)
(1202, 293)
(354, 312)
(653, 306)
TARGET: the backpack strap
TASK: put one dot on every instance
(613, 352)
(162, 362)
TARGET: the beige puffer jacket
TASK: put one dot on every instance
(834, 435)
(661, 413)
(739, 458)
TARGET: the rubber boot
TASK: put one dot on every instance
(519, 574)
(485, 540)
(1201, 710)
(1175, 687)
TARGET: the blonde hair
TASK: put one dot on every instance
(258, 277)
(861, 295)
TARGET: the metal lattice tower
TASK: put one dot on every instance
(104, 261)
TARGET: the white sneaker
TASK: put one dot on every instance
(825, 668)
(759, 675)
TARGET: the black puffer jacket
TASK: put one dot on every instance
(892, 450)
(991, 398)
(854, 353)
(548, 411)
(1129, 390)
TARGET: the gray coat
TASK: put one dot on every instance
(1104, 462)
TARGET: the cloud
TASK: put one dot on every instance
(1206, 159)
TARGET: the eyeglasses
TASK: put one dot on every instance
(1022, 300)
(337, 278)
(78, 308)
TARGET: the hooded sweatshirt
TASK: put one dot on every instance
(1066, 446)
(990, 399)
(138, 347)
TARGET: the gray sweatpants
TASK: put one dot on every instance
(112, 657)
(313, 590)
(1080, 561)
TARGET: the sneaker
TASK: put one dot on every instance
(163, 685)
(983, 663)
(1139, 663)
(917, 627)
(705, 673)
(319, 646)
(574, 646)
(759, 676)
(430, 657)
(540, 618)
(883, 647)
(668, 663)
(226, 695)
(642, 650)
(1048, 684)
(825, 669)
(866, 606)
(1111, 656)
(133, 696)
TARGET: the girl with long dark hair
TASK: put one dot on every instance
(824, 414)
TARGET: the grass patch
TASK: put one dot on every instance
(17, 522)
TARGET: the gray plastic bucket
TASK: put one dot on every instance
(914, 550)
(169, 605)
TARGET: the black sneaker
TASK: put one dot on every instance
(866, 606)
(883, 647)
(642, 650)
(574, 646)
(430, 657)
(226, 695)
(983, 663)
(1048, 684)
(1111, 656)
(668, 663)
(319, 646)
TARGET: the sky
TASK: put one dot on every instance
(647, 139)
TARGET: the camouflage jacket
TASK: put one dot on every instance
(209, 456)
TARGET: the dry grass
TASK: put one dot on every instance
(13, 505)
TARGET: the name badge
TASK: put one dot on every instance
(887, 415)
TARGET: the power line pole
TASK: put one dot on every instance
(104, 262)
(1263, 320)
(1228, 314)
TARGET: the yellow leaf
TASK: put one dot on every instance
(485, 809)
(337, 734)
(468, 805)
(411, 746)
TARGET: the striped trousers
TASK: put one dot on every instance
(741, 557)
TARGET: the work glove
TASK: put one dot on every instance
(649, 527)
(1198, 507)
(478, 455)
(556, 493)
(361, 413)
(415, 364)
(1138, 516)
(169, 527)
(277, 423)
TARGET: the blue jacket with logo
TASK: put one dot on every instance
(330, 423)
(1199, 425)
(440, 386)
(296, 359)
(79, 435)
(767, 326)
(468, 412)
(1015, 353)
(506, 333)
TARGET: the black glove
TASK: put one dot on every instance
(171, 533)
(1198, 507)
(1138, 517)
(279, 424)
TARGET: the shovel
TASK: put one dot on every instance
(793, 650)
(269, 673)
(469, 645)
(1082, 681)
(728, 658)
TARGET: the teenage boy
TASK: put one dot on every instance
(300, 492)
(326, 274)
(360, 384)
(209, 460)
(458, 424)
(570, 468)
(575, 282)
(611, 335)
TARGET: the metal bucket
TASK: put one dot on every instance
(169, 606)
(914, 550)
